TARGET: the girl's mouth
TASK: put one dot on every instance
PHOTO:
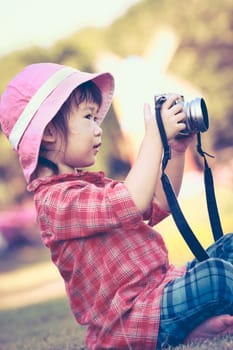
(97, 145)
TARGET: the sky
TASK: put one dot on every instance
(24, 23)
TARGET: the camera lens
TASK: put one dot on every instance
(205, 114)
(199, 115)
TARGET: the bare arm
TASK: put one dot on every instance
(143, 175)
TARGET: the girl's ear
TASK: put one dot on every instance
(50, 133)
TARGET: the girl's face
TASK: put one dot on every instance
(83, 139)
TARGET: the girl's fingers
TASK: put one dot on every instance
(176, 108)
(148, 116)
(179, 117)
(147, 109)
(171, 100)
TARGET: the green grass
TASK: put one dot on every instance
(47, 326)
(50, 326)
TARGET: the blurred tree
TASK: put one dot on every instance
(204, 57)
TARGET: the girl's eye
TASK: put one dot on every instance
(88, 116)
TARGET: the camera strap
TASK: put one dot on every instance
(177, 214)
(210, 193)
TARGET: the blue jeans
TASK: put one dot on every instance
(206, 290)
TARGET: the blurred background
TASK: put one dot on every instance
(151, 47)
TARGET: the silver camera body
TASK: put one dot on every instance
(196, 114)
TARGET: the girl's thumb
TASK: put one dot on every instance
(147, 113)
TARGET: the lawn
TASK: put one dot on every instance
(44, 326)
(50, 326)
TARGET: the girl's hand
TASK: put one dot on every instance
(179, 145)
(173, 116)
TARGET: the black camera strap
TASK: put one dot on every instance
(174, 206)
(210, 193)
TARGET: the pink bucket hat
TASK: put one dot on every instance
(33, 98)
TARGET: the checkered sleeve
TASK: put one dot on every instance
(157, 214)
(86, 209)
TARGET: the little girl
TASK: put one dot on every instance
(115, 266)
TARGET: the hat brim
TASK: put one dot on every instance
(30, 144)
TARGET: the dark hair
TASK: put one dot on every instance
(88, 91)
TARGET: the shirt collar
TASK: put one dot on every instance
(92, 177)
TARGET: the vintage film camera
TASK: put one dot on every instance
(196, 113)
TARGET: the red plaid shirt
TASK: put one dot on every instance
(114, 265)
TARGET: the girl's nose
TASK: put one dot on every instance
(98, 130)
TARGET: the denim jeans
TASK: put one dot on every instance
(204, 291)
